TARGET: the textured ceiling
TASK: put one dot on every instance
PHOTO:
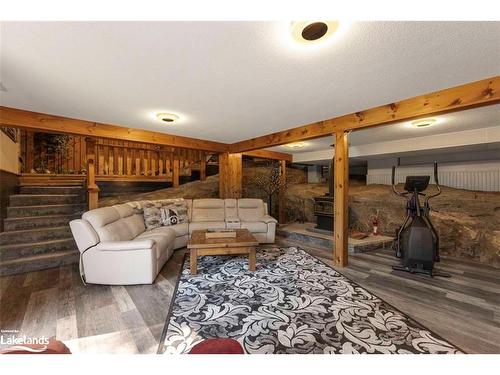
(231, 81)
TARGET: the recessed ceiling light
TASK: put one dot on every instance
(295, 145)
(167, 117)
(311, 32)
(423, 123)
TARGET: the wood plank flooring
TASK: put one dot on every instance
(464, 309)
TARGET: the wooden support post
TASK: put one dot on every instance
(230, 175)
(281, 194)
(223, 170)
(341, 196)
(92, 188)
(203, 167)
(175, 170)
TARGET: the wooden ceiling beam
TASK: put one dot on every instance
(470, 95)
(267, 154)
(19, 118)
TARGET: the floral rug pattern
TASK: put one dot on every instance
(292, 303)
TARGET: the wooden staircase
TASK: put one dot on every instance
(36, 231)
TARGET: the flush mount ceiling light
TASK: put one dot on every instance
(295, 145)
(312, 32)
(167, 117)
(423, 123)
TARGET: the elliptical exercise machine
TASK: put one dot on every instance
(417, 241)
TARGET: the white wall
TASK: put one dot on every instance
(9, 154)
(433, 142)
(314, 174)
(482, 175)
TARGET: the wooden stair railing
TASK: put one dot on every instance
(97, 159)
(92, 188)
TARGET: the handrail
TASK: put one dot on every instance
(436, 180)
(401, 194)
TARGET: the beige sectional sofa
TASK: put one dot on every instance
(116, 248)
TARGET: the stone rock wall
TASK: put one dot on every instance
(196, 189)
(468, 222)
(208, 188)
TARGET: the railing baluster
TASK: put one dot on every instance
(137, 163)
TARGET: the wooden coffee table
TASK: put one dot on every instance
(243, 243)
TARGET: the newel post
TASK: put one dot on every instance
(92, 188)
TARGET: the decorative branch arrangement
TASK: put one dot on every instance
(269, 181)
(50, 145)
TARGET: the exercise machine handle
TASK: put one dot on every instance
(393, 180)
(436, 180)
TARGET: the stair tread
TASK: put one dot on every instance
(50, 205)
(44, 195)
(40, 217)
(33, 230)
(75, 184)
(53, 255)
(38, 243)
(52, 187)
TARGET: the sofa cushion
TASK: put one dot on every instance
(164, 239)
(231, 208)
(132, 218)
(108, 224)
(250, 209)
(208, 210)
(202, 225)
(124, 210)
(254, 226)
(179, 229)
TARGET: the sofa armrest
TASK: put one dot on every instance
(125, 245)
(85, 236)
(268, 219)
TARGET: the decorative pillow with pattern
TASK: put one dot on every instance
(162, 212)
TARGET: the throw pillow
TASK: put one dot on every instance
(162, 212)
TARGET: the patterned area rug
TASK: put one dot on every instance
(292, 303)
